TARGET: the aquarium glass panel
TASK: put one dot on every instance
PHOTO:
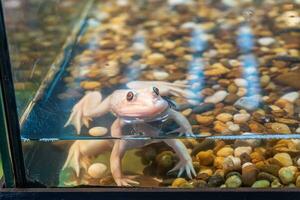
(158, 93)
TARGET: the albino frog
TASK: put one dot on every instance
(135, 106)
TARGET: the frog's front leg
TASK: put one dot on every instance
(88, 107)
(117, 154)
(185, 160)
(184, 125)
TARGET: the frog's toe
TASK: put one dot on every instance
(126, 181)
(186, 166)
(191, 170)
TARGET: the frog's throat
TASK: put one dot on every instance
(163, 116)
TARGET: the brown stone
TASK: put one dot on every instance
(249, 174)
(205, 120)
(290, 79)
(220, 127)
(256, 127)
(231, 98)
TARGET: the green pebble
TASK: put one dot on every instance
(261, 184)
(276, 184)
(291, 185)
(186, 185)
(233, 182)
(286, 175)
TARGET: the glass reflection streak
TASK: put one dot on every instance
(196, 65)
(249, 63)
(138, 46)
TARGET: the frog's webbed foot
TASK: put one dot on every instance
(79, 116)
(184, 165)
(126, 181)
(182, 131)
(75, 160)
(165, 88)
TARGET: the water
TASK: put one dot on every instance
(231, 70)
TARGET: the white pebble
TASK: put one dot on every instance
(188, 25)
(216, 86)
(231, 163)
(230, 3)
(241, 92)
(265, 98)
(241, 118)
(291, 18)
(234, 63)
(240, 82)
(252, 142)
(266, 41)
(139, 47)
(247, 164)
(298, 130)
(240, 150)
(217, 97)
(98, 131)
(298, 162)
(122, 2)
(178, 2)
(160, 75)
(234, 127)
(229, 123)
(211, 53)
(291, 96)
(97, 170)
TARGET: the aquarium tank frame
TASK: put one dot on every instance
(10, 139)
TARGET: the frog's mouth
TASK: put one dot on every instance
(138, 110)
(162, 116)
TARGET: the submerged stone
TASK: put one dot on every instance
(249, 103)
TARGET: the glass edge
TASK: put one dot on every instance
(4, 149)
(11, 133)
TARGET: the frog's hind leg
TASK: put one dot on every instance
(81, 152)
(73, 159)
(185, 160)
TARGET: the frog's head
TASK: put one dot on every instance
(142, 103)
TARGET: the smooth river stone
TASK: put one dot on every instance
(290, 79)
(203, 108)
(280, 128)
(291, 96)
(160, 75)
(287, 174)
(284, 159)
(241, 118)
(249, 103)
(266, 41)
(97, 170)
(98, 131)
(217, 97)
(240, 82)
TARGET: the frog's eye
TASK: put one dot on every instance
(156, 90)
(129, 96)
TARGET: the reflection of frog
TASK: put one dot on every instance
(136, 107)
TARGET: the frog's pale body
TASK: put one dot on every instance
(137, 105)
